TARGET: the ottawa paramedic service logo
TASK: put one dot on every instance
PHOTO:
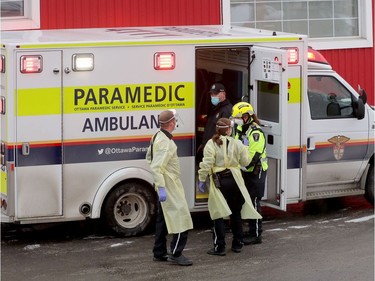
(338, 148)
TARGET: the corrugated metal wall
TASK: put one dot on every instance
(355, 65)
(59, 14)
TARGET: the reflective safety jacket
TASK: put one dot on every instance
(253, 137)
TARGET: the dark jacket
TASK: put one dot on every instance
(222, 110)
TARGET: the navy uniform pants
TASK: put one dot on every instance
(255, 184)
(235, 200)
(178, 242)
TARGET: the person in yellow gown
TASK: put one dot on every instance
(222, 158)
(173, 213)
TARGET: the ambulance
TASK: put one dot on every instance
(78, 109)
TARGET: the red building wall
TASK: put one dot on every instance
(355, 65)
(60, 14)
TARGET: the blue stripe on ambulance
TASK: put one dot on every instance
(325, 153)
(94, 152)
(294, 159)
(349, 152)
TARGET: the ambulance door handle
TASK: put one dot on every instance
(310, 143)
(25, 148)
(56, 71)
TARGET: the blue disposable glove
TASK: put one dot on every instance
(246, 141)
(162, 194)
(201, 186)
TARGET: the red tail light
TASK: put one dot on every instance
(164, 61)
(293, 56)
(31, 64)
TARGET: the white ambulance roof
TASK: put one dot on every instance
(140, 36)
(318, 66)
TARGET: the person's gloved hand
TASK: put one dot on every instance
(202, 186)
(162, 194)
(246, 141)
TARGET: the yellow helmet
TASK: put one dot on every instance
(241, 108)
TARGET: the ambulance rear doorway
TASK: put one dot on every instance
(224, 65)
(233, 68)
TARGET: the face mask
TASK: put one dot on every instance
(215, 101)
(238, 121)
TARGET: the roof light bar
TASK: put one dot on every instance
(315, 56)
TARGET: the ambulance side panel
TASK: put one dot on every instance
(72, 136)
(110, 114)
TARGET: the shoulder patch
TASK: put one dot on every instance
(256, 136)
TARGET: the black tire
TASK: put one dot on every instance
(369, 188)
(129, 209)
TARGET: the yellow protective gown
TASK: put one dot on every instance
(165, 167)
(217, 159)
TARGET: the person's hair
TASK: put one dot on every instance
(166, 117)
(222, 126)
(255, 119)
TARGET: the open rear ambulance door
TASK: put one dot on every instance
(269, 97)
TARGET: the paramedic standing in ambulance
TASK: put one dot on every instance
(248, 130)
(173, 215)
(223, 156)
(222, 108)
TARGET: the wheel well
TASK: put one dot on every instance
(144, 183)
(372, 160)
(365, 174)
(369, 184)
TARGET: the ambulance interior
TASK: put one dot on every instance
(228, 66)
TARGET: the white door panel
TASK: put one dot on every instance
(337, 141)
(269, 98)
(39, 133)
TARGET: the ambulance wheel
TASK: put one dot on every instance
(129, 209)
(369, 188)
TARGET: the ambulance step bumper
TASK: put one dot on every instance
(334, 193)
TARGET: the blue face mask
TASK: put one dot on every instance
(215, 101)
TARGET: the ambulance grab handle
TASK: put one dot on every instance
(310, 143)
(25, 148)
(266, 126)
